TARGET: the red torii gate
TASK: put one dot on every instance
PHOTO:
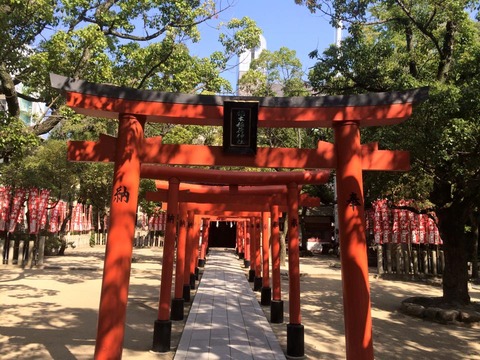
(344, 113)
(242, 198)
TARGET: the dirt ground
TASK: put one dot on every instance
(51, 313)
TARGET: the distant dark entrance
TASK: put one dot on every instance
(222, 235)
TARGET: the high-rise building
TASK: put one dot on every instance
(245, 59)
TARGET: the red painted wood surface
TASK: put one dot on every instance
(293, 256)
(353, 246)
(181, 250)
(271, 117)
(276, 282)
(168, 252)
(190, 252)
(121, 231)
(265, 249)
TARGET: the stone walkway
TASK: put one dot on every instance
(225, 320)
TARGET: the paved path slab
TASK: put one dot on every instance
(225, 320)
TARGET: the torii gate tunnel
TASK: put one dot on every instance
(345, 114)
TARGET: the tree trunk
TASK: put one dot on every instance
(455, 276)
(475, 247)
(8, 89)
(62, 233)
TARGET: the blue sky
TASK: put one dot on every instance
(283, 23)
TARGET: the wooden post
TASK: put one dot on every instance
(266, 294)
(406, 262)
(295, 329)
(379, 259)
(257, 285)
(247, 261)
(253, 244)
(118, 252)
(276, 306)
(178, 302)
(389, 258)
(425, 261)
(188, 272)
(434, 263)
(203, 246)
(196, 249)
(240, 240)
(353, 245)
(162, 332)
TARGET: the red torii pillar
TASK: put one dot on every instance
(253, 252)
(196, 249)
(295, 329)
(257, 283)
(162, 332)
(276, 306)
(121, 232)
(203, 246)
(247, 247)
(178, 302)
(353, 249)
(239, 240)
(189, 273)
(266, 291)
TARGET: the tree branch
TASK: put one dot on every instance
(8, 89)
(423, 29)
(154, 67)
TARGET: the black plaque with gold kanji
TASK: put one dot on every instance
(240, 127)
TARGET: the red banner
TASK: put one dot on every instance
(33, 203)
(422, 228)
(90, 218)
(37, 209)
(414, 220)
(4, 206)
(395, 226)
(402, 225)
(381, 222)
(42, 210)
(18, 200)
(77, 217)
(54, 214)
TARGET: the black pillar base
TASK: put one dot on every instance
(251, 275)
(241, 255)
(257, 283)
(177, 309)
(276, 311)
(295, 340)
(193, 277)
(162, 335)
(197, 272)
(201, 263)
(186, 293)
(266, 297)
(246, 263)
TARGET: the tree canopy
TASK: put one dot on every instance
(140, 44)
(392, 45)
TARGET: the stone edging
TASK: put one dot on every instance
(434, 313)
